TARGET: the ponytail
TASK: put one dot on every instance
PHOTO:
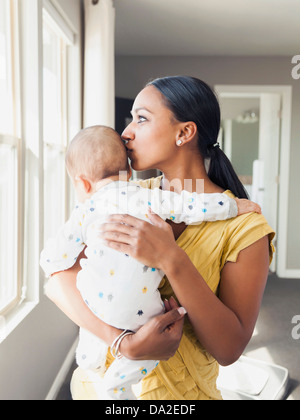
(191, 99)
(221, 173)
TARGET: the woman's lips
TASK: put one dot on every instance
(128, 149)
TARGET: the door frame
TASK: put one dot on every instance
(237, 91)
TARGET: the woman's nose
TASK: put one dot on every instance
(128, 133)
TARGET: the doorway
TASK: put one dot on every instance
(256, 137)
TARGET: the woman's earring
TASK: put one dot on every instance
(179, 142)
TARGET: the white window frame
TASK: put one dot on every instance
(13, 139)
(15, 143)
(29, 76)
(73, 74)
(53, 21)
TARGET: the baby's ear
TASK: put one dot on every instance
(84, 183)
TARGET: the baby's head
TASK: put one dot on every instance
(95, 154)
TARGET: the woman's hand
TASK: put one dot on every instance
(141, 240)
(159, 338)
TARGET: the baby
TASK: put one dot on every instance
(117, 288)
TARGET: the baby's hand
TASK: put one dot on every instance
(247, 206)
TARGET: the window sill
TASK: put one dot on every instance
(10, 321)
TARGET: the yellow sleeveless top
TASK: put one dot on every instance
(192, 373)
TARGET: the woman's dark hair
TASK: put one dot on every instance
(191, 99)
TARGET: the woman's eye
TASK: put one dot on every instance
(141, 119)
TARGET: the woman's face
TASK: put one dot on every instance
(151, 136)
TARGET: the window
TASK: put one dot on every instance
(55, 125)
(6, 68)
(10, 161)
(36, 47)
(9, 284)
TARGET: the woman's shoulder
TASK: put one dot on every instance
(247, 221)
(243, 231)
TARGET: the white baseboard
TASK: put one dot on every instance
(63, 372)
(288, 273)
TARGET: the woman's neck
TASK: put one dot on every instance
(190, 176)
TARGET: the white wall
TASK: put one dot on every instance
(32, 355)
(132, 73)
(30, 358)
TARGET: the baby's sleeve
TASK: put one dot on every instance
(62, 250)
(210, 207)
(193, 208)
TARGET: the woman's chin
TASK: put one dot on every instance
(135, 166)
(139, 166)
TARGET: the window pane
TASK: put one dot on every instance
(6, 103)
(54, 186)
(52, 87)
(8, 225)
(54, 132)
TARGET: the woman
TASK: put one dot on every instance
(217, 271)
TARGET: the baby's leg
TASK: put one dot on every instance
(121, 375)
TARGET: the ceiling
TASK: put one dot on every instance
(208, 27)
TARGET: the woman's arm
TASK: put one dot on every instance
(61, 289)
(223, 324)
(165, 330)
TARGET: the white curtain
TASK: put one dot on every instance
(99, 63)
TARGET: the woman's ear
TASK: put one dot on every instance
(186, 133)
